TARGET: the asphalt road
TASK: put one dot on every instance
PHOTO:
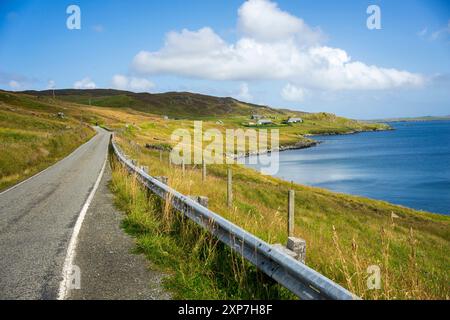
(108, 268)
(37, 220)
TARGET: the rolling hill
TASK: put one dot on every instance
(172, 104)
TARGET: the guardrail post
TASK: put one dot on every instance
(203, 201)
(170, 161)
(229, 188)
(160, 155)
(145, 169)
(183, 166)
(163, 179)
(291, 208)
(298, 246)
(203, 170)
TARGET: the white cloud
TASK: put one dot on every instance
(85, 83)
(244, 93)
(441, 33)
(293, 93)
(275, 46)
(14, 84)
(263, 20)
(131, 83)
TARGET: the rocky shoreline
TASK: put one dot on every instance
(304, 144)
(299, 145)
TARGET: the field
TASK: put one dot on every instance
(32, 137)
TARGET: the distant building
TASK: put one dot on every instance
(264, 122)
(295, 120)
(256, 116)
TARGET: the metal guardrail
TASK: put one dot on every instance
(301, 280)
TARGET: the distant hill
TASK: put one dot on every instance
(172, 104)
(412, 119)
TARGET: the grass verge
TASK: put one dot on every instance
(199, 267)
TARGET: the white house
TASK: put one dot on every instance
(295, 120)
(264, 122)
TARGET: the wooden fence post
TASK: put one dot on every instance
(203, 170)
(229, 188)
(291, 208)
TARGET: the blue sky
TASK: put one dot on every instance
(307, 55)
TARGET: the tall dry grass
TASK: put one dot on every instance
(199, 266)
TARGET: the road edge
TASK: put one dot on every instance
(68, 261)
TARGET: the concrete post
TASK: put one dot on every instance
(283, 249)
(291, 208)
(298, 246)
(229, 188)
(163, 179)
(201, 200)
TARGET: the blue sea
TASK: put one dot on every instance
(409, 166)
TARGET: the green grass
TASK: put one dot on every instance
(198, 266)
(32, 137)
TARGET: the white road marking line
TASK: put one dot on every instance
(68, 262)
(53, 165)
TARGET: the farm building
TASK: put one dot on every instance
(295, 120)
(264, 122)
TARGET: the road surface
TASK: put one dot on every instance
(108, 268)
(37, 219)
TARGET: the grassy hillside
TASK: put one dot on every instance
(182, 107)
(32, 136)
(173, 104)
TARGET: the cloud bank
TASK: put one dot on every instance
(273, 45)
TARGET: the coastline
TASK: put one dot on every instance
(307, 143)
